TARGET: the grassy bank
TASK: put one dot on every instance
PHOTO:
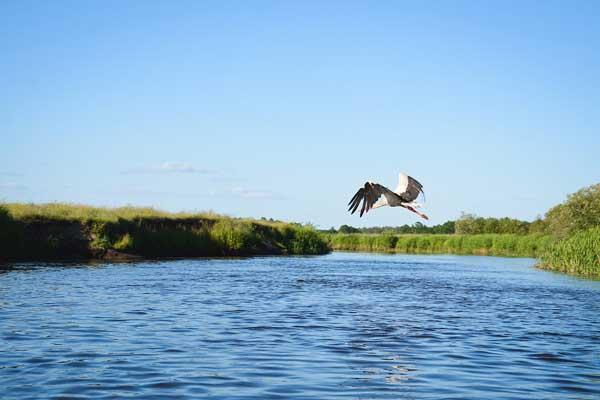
(578, 254)
(49, 231)
(487, 244)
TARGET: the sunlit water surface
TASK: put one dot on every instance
(353, 326)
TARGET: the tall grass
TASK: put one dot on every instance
(81, 212)
(29, 231)
(578, 254)
(487, 244)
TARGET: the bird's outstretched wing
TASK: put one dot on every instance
(368, 194)
(408, 188)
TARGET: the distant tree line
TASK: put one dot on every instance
(579, 212)
(447, 227)
(467, 224)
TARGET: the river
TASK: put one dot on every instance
(340, 326)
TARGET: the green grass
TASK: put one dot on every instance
(578, 254)
(80, 212)
(488, 244)
(57, 230)
(40, 231)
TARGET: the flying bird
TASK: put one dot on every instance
(374, 195)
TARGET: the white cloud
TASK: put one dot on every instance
(254, 194)
(10, 173)
(13, 186)
(170, 168)
(137, 191)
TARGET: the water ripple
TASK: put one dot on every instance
(342, 326)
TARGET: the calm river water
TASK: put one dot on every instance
(351, 326)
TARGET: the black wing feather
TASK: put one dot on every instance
(368, 194)
(354, 197)
(356, 201)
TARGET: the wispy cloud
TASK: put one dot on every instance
(13, 186)
(143, 191)
(137, 191)
(10, 173)
(526, 198)
(254, 194)
(170, 168)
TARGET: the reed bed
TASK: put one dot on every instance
(487, 244)
(578, 254)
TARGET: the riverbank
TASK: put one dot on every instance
(578, 254)
(65, 231)
(487, 244)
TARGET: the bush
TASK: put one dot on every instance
(385, 242)
(237, 237)
(581, 211)
(308, 241)
(125, 243)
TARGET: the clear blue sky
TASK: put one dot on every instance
(282, 109)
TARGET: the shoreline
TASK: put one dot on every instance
(53, 232)
(507, 245)
(577, 255)
(59, 231)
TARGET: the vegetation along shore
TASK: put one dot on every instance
(486, 244)
(64, 231)
(566, 240)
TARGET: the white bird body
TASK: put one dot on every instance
(374, 195)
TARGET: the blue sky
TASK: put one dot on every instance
(282, 109)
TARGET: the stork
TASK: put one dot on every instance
(373, 195)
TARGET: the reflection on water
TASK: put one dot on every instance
(338, 326)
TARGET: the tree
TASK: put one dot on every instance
(580, 211)
(348, 229)
(538, 226)
(447, 227)
(469, 224)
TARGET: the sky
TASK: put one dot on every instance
(284, 109)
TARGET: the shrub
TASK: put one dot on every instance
(581, 211)
(125, 243)
(385, 242)
(308, 241)
(237, 237)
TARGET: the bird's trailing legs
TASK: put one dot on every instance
(420, 214)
